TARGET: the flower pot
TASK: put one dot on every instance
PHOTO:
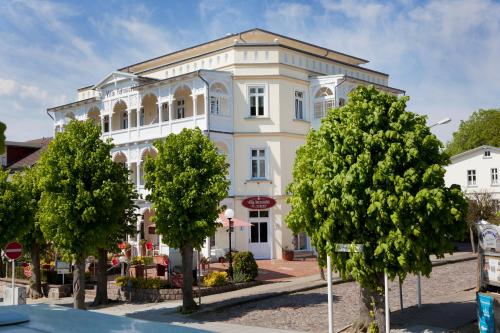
(137, 271)
(287, 255)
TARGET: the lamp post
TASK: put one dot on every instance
(441, 122)
(229, 214)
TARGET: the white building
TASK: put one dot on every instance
(476, 170)
(256, 94)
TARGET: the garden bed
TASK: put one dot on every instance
(170, 294)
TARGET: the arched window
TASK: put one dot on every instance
(323, 101)
(218, 99)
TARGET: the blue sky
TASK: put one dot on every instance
(445, 54)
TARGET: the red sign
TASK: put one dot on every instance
(259, 202)
(13, 250)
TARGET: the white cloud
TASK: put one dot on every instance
(443, 53)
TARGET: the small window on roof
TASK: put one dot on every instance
(487, 153)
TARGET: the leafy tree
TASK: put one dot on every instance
(2, 137)
(85, 196)
(373, 175)
(187, 182)
(12, 211)
(481, 128)
(27, 183)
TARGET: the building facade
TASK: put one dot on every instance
(476, 170)
(256, 95)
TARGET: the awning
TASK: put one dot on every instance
(236, 222)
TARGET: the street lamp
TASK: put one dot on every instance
(441, 122)
(229, 214)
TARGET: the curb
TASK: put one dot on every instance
(314, 285)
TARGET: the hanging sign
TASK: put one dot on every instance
(259, 202)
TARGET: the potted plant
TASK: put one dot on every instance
(137, 267)
(287, 254)
(128, 251)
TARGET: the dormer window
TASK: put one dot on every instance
(487, 153)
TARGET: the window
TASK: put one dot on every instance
(258, 230)
(106, 124)
(256, 95)
(487, 153)
(341, 102)
(471, 177)
(258, 163)
(494, 176)
(215, 105)
(165, 113)
(180, 109)
(299, 105)
(141, 117)
(300, 241)
(323, 101)
(124, 120)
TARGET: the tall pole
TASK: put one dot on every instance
(230, 254)
(419, 292)
(330, 296)
(401, 294)
(387, 310)
(13, 276)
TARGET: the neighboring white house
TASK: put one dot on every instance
(256, 94)
(476, 170)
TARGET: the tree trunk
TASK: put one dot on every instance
(188, 303)
(321, 272)
(371, 309)
(101, 296)
(472, 241)
(79, 284)
(35, 280)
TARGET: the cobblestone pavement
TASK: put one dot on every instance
(307, 311)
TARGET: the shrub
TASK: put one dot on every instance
(245, 267)
(142, 260)
(141, 283)
(215, 279)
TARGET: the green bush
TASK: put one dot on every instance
(215, 279)
(141, 283)
(142, 260)
(244, 267)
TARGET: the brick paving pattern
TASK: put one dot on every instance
(307, 311)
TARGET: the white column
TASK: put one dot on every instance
(171, 112)
(194, 110)
(102, 123)
(160, 115)
(139, 221)
(138, 172)
(138, 116)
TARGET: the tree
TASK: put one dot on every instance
(2, 137)
(481, 207)
(188, 180)
(12, 211)
(27, 183)
(85, 196)
(372, 175)
(481, 128)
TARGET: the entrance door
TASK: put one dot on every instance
(259, 234)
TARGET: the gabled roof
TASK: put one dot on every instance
(31, 159)
(256, 37)
(114, 77)
(475, 150)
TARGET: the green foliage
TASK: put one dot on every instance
(215, 279)
(187, 182)
(142, 260)
(14, 209)
(141, 283)
(86, 198)
(481, 128)
(245, 267)
(28, 184)
(373, 175)
(2, 137)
